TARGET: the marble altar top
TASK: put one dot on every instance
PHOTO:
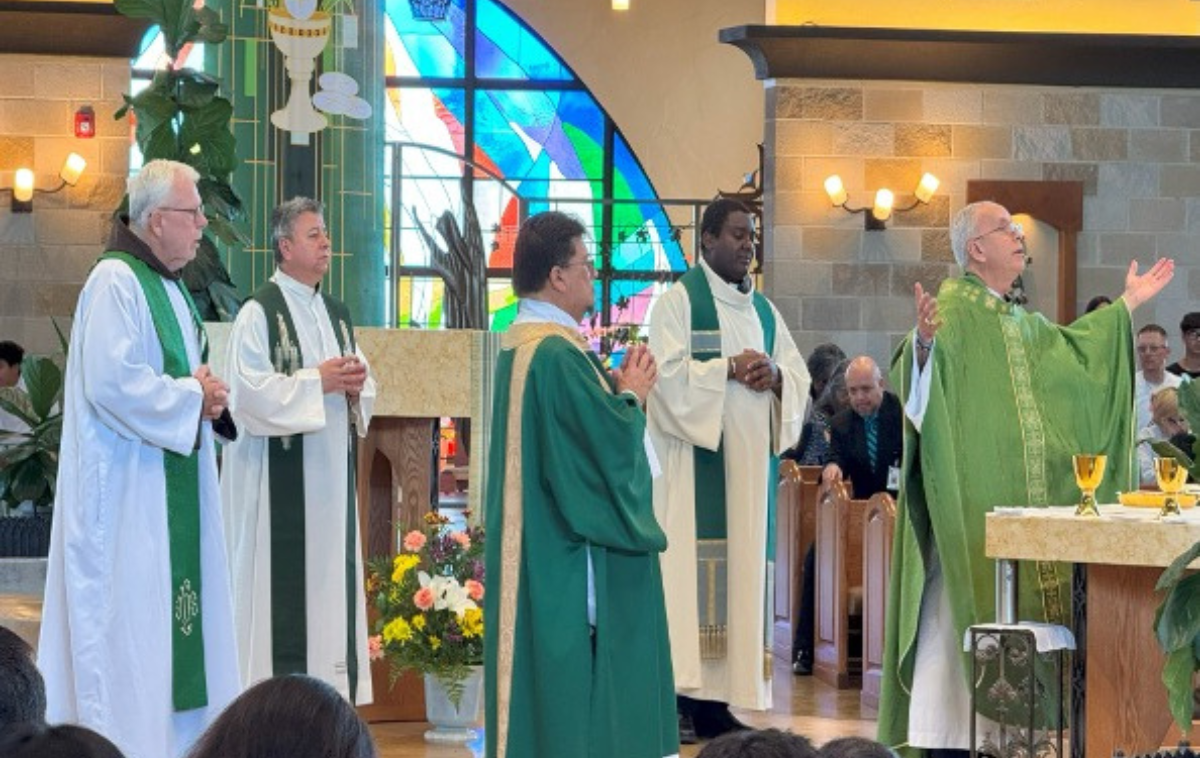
(1120, 536)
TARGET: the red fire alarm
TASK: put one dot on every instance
(85, 122)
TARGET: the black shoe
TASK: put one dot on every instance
(715, 720)
(803, 664)
(687, 730)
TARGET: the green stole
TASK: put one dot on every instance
(289, 599)
(708, 468)
(189, 687)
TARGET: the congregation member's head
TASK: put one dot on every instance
(854, 747)
(301, 241)
(22, 691)
(11, 355)
(166, 213)
(758, 743)
(988, 243)
(64, 741)
(1097, 302)
(1189, 328)
(1152, 351)
(552, 264)
(1164, 412)
(727, 240)
(864, 384)
(821, 365)
(292, 716)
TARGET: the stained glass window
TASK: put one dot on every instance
(536, 139)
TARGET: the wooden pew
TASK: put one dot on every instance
(795, 509)
(839, 565)
(878, 524)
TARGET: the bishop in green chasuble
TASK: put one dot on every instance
(576, 652)
(1003, 399)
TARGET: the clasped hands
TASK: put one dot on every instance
(216, 393)
(345, 373)
(638, 372)
(755, 370)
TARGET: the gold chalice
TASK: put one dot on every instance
(1171, 476)
(1089, 472)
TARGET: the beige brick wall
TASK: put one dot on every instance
(1137, 153)
(45, 255)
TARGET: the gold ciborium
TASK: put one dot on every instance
(1089, 472)
(1171, 476)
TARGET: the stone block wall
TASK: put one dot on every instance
(1137, 153)
(46, 255)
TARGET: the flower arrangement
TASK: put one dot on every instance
(429, 599)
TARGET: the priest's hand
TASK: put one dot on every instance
(216, 393)
(345, 374)
(927, 320)
(638, 372)
(763, 374)
(1140, 288)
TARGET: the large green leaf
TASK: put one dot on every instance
(1179, 622)
(43, 382)
(16, 402)
(1189, 403)
(1164, 449)
(1177, 676)
(1171, 576)
(194, 90)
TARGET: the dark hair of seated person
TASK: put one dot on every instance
(64, 741)
(22, 690)
(854, 747)
(293, 716)
(758, 743)
(1099, 301)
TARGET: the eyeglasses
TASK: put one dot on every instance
(1011, 227)
(589, 261)
(197, 212)
(1150, 348)
(1192, 334)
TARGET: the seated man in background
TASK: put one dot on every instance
(1152, 375)
(865, 439)
(759, 743)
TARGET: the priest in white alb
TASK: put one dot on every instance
(137, 636)
(302, 394)
(730, 399)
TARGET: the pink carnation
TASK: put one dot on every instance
(474, 589)
(423, 598)
(375, 647)
(414, 541)
(462, 538)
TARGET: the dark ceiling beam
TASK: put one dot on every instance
(48, 27)
(1102, 60)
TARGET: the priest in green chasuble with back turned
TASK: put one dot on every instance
(997, 400)
(576, 655)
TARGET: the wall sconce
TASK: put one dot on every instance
(620, 5)
(23, 190)
(876, 216)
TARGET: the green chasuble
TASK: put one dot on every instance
(569, 478)
(1012, 398)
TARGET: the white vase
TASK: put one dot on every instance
(455, 725)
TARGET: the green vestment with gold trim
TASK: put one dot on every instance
(1012, 398)
(569, 478)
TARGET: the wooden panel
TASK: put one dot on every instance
(805, 526)
(879, 523)
(787, 506)
(838, 568)
(1126, 704)
(394, 475)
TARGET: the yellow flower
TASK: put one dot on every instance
(434, 642)
(397, 630)
(418, 622)
(471, 622)
(402, 564)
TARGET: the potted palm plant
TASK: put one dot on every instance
(29, 458)
(1177, 621)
